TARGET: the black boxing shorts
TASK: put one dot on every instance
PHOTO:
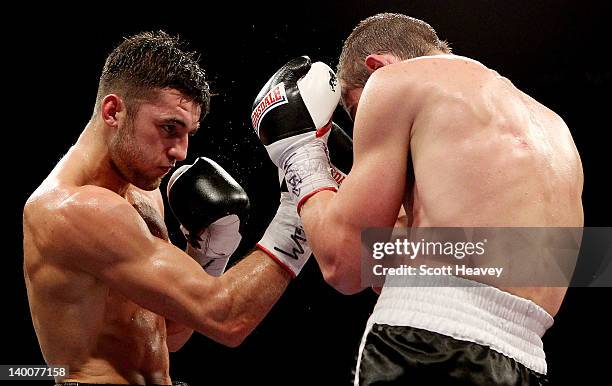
(400, 355)
(453, 332)
(177, 383)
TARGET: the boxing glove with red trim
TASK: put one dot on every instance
(285, 240)
(292, 117)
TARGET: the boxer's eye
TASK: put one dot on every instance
(169, 129)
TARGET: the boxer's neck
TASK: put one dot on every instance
(96, 166)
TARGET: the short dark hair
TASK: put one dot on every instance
(385, 33)
(149, 61)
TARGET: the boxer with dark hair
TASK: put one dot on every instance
(455, 144)
(109, 295)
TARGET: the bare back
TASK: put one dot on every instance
(484, 154)
(79, 321)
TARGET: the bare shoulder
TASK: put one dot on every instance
(388, 106)
(83, 222)
(387, 88)
(438, 70)
(391, 79)
(53, 206)
(394, 94)
(49, 202)
(416, 79)
(444, 62)
(91, 201)
(92, 209)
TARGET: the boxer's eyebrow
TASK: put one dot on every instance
(175, 120)
(183, 124)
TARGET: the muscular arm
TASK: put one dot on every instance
(256, 273)
(101, 233)
(150, 206)
(372, 193)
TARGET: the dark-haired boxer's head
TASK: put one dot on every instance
(144, 147)
(152, 94)
(148, 62)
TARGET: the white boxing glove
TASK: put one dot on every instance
(292, 118)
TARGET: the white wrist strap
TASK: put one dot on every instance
(285, 239)
(307, 170)
(217, 244)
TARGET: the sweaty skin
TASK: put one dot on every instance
(85, 325)
(108, 294)
(459, 146)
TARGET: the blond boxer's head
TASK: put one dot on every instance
(380, 39)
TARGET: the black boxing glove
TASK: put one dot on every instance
(340, 146)
(292, 117)
(208, 203)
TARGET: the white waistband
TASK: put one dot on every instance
(469, 311)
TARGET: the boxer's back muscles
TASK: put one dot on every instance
(464, 148)
(80, 322)
(484, 154)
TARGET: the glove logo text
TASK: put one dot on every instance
(274, 98)
(337, 175)
(333, 81)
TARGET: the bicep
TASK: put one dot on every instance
(374, 189)
(105, 236)
(164, 280)
(372, 193)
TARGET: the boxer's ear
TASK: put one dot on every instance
(375, 61)
(111, 107)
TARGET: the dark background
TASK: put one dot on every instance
(553, 50)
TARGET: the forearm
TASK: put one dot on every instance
(334, 241)
(225, 308)
(251, 288)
